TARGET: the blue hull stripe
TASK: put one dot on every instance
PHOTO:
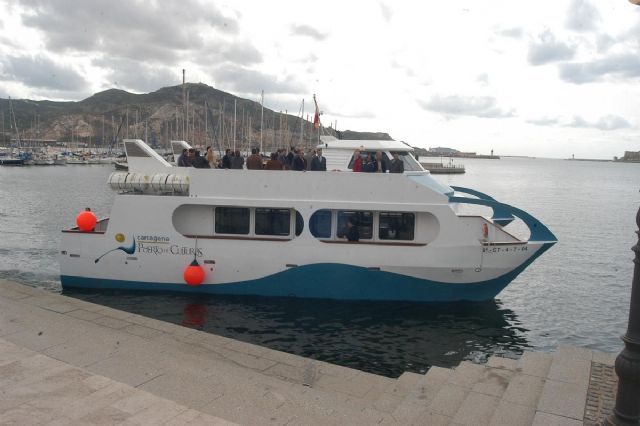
(329, 281)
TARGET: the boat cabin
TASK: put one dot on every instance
(340, 152)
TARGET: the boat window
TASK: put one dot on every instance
(396, 226)
(410, 163)
(273, 221)
(365, 154)
(232, 220)
(320, 224)
(299, 223)
(363, 220)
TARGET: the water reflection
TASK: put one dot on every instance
(382, 338)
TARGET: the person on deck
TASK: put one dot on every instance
(397, 166)
(211, 158)
(282, 157)
(299, 163)
(369, 166)
(254, 162)
(318, 162)
(199, 162)
(379, 163)
(237, 161)
(182, 159)
(274, 163)
(357, 161)
(226, 160)
(290, 157)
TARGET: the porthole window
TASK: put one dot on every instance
(320, 224)
(299, 224)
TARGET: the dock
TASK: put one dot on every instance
(68, 361)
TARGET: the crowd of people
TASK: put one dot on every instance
(294, 159)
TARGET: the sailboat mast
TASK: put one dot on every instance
(302, 123)
(206, 124)
(261, 118)
(234, 125)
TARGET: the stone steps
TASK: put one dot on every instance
(249, 384)
(538, 389)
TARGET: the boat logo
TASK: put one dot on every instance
(129, 250)
(120, 237)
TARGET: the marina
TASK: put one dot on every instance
(408, 338)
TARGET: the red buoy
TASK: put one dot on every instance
(194, 274)
(86, 221)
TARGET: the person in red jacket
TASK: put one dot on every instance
(357, 162)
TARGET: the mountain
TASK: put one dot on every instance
(161, 116)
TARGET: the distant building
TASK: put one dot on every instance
(632, 156)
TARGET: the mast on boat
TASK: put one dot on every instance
(234, 124)
(261, 118)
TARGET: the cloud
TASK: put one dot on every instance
(306, 30)
(625, 65)
(386, 11)
(248, 81)
(137, 76)
(238, 52)
(544, 121)
(582, 16)
(477, 106)
(134, 29)
(548, 49)
(41, 72)
(606, 122)
(514, 32)
(612, 122)
(483, 78)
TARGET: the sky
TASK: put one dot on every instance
(551, 78)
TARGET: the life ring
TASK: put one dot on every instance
(485, 230)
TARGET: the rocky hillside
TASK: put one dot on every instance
(205, 116)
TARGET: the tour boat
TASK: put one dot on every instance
(281, 233)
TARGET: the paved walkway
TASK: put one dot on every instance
(69, 361)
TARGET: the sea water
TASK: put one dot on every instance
(577, 293)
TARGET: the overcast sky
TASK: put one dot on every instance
(549, 78)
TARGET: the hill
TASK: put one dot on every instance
(205, 117)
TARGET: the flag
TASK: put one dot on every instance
(316, 117)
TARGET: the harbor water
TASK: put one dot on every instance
(575, 294)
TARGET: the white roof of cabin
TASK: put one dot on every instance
(329, 142)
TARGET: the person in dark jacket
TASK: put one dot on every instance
(318, 162)
(226, 160)
(200, 162)
(299, 163)
(290, 157)
(237, 161)
(282, 157)
(182, 159)
(397, 166)
(368, 166)
(351, 232)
